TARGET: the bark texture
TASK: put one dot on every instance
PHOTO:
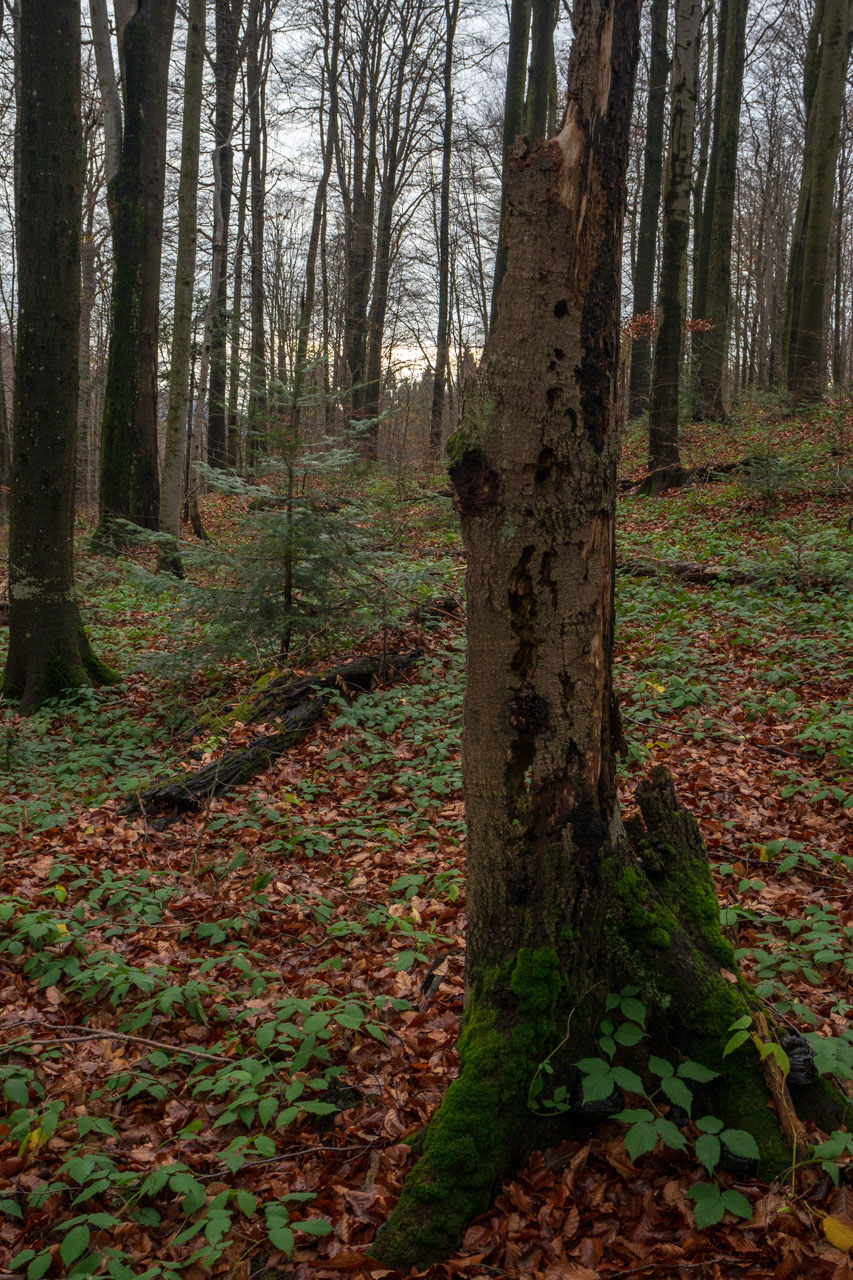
(442, 339)
(718, 220)
(672, 293)
(516, 73)
(179, 376)
(48, 649)
(805, 309)
(647, 235)
(130, 482)
(229, 15)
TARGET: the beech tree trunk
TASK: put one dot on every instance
(442, 338)
(332, 32)
(229, 15)
(539, 104)
(516, 78)
(672, 293)
(235, 363)
(255, 85)
(396, 143)
(48, 649)
(108, 85)
(130, 482)
(647, 235)
(182, 324)
(718, 222)
(808, 269)
(564, 904)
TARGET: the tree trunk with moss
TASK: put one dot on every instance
(130, 483)
(672, 293)
(564, 904)
(805, 303)
(647, 236)
(48, 649)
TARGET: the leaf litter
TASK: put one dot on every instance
(221, 1040)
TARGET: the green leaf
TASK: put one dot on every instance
(281, 1238)
(740, 1025)
(628, 1034)
(103, 1221)
(708, 1205)
(313, 1226)
(740, 1143)
(735, 1202)
(661, 1067)
(608, 1044)
(639, 1139)
(592, 1066)
(597, 1088)
(676, 1090)
(628, 1080)
(246, 1203)
(709, 1124)
(695, 1071)
(74, 1244)
(739, 1038)
(631, 1114)
(708, 1151)
(265, 1146)
(17, 1090)
(118, 1271)
(634, 1010)
(286, 1117)
(670, 1134)
(40, 1266)
(267, 1108)
(265, 1035)
(11, 1208)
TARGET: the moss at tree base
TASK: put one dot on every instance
(478, 1133)
(662, 936)
(52, 661)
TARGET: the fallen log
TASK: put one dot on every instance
(703, 575)
(712, 575)
(677, 476)
(285, 693)
(297, 704)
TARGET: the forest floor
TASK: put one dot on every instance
(220, 1036)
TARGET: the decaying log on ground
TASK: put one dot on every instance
(285, 693)
(703, 575)
(296, 704)
(679, 477)
(713, 575)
